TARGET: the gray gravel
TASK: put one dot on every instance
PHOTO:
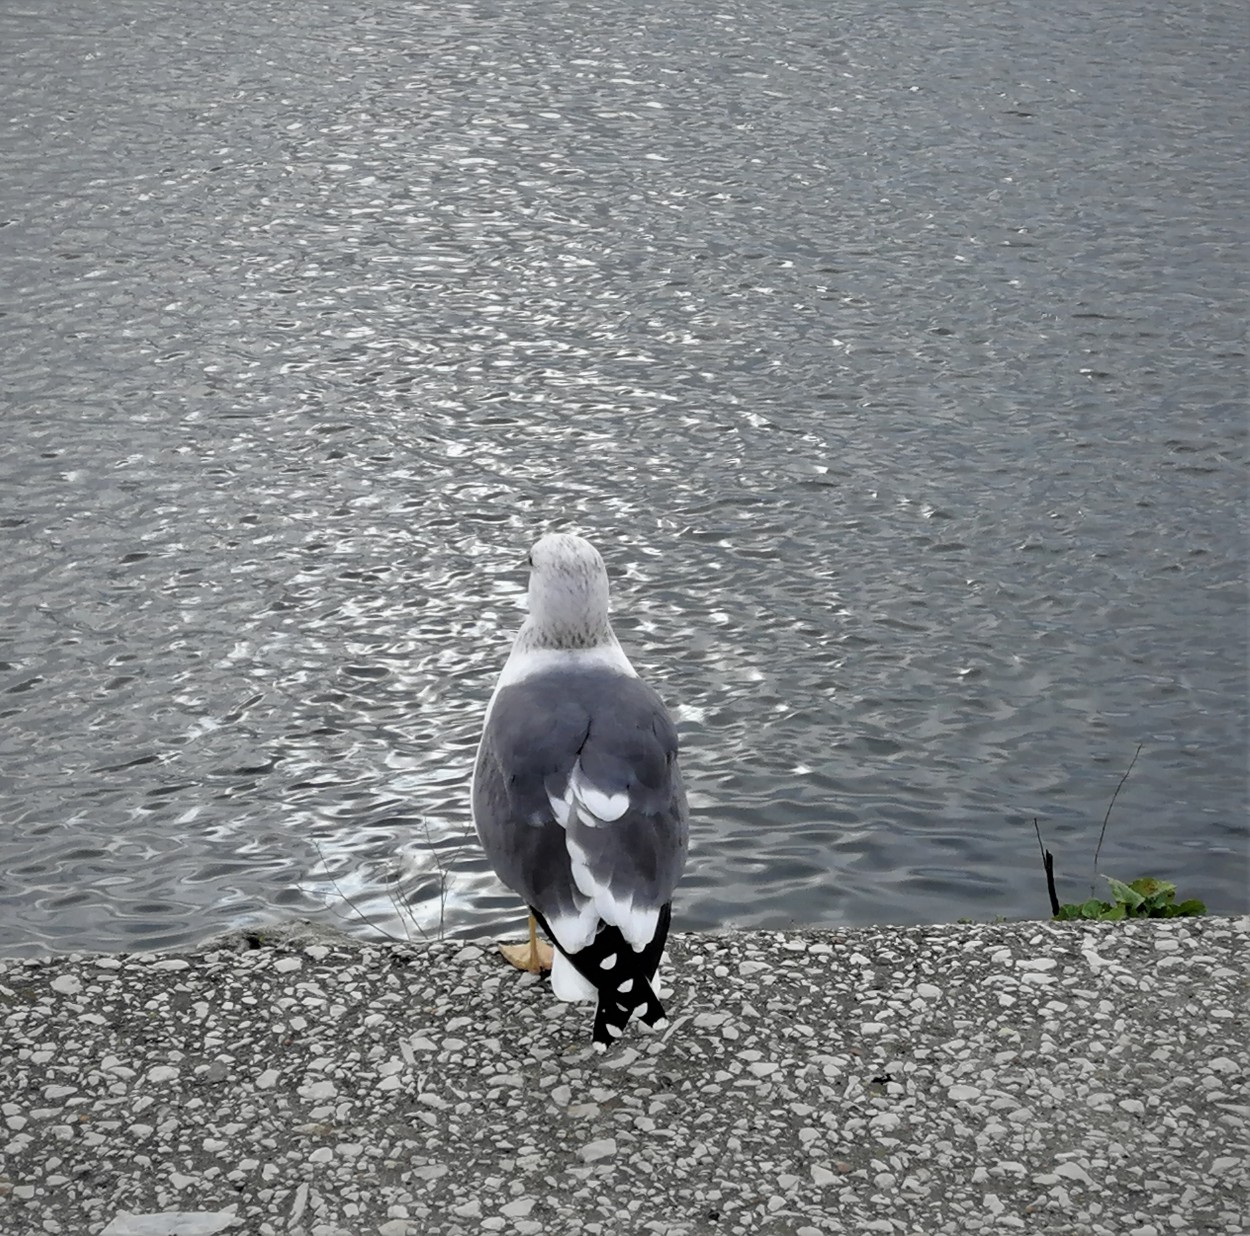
(1034, 1077)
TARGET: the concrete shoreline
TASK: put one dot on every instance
(1064, 1078)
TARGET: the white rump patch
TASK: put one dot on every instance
(594, 807)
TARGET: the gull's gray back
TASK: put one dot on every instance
(620, 731)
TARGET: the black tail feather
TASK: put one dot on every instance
(624, 985)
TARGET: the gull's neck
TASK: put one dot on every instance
(532, 656)
(556, 632)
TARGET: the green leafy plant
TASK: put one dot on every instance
(1144, 897)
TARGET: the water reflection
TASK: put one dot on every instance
(913, 434)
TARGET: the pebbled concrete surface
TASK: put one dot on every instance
(1030, 1077)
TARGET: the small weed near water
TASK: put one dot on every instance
(1144, 897)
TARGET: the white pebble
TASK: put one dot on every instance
(592, 1152)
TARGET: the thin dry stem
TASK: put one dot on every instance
(401, 911)
(346, 899)
(443, 879)
(1105, 818)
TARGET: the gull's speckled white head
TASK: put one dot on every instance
(568, 594)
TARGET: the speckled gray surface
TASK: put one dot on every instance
(1034, 1077)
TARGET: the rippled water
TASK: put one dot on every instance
(894, 357)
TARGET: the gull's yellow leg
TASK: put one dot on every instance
(533, 957)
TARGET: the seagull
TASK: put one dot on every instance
(577, 794)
